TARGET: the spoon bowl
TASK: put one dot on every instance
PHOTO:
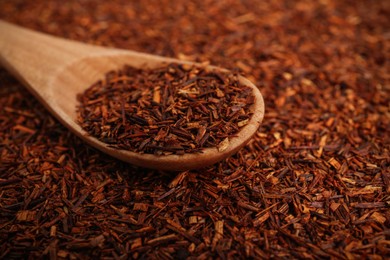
(55, 70)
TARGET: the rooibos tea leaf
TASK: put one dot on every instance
(173, 109)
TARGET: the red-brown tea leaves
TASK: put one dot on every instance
(172, 109)
(313, 183)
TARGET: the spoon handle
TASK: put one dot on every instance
(32, 57)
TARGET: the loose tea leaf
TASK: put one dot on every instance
(173, 109)
(313, 183)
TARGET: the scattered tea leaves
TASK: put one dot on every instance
(313, 183)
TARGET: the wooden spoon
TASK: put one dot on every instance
(55, 70)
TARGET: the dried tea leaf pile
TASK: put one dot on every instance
(313, 183)
(172, 109)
